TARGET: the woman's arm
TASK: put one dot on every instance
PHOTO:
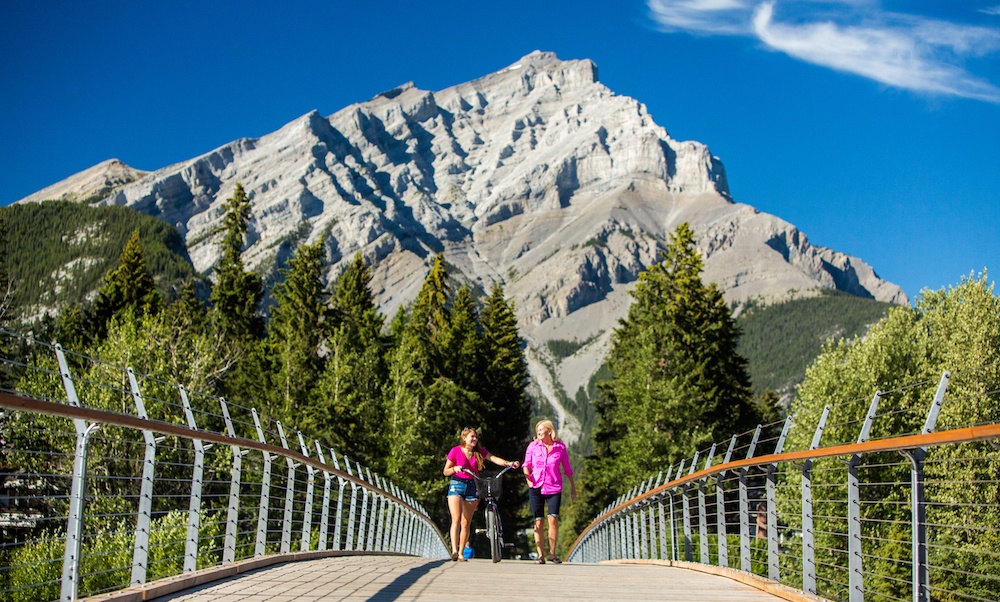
(450, 468)
(501, 462)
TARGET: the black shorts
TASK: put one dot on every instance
(538, 503)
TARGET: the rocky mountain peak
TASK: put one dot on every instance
(93, 183)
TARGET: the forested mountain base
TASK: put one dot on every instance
(58, 252)
(780, 340)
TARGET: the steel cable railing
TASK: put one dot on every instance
(114, 479)
(892, 498)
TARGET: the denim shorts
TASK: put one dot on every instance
(539, 503)
(463, 488)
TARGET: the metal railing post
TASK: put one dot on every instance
(338, 521)
(349, 544)
(808, 531)
(745, 564)
(773, 549)
(397, 511)
(720, 509)
(856, 581)
(324, 521)
(194, 502)
(664, 553)
(286, 519)
(260, 544)
(379, 506)
(674, 547)
(920, 577)
(703, 512)
(78, 489)
(654, 546)
(310, 487)
(235, 478)
(140, 550)
(642, 550)
(364, 522)
(686, 513)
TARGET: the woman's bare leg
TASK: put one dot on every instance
(539, 537)
(553, 534)
(468, 509)
(455, 508)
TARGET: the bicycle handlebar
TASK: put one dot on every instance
(476, 475)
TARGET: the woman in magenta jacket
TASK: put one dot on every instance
(543, 459)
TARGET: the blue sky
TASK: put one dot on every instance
(873, 126)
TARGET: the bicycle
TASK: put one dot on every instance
(489, 489)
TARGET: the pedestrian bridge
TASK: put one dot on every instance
(121, 486)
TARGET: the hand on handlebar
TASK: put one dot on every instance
(515, 464)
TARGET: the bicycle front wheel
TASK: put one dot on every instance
(494, 533)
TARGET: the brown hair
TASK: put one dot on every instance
(477, 453)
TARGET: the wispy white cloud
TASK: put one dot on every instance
(906, 51)
(991, 10)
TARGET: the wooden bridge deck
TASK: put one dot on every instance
(404, 579)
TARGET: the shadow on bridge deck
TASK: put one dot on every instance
(402, 578)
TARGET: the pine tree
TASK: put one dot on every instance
(128, 287)
(461, 343)
(432, 300)
(295, 330)
(502, 385)
(504, 375)
(347, 406)
(187, 313)
(237, 293)
(426, 407)
(678, 383)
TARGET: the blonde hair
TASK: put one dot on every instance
(549, 427)
(477, 454)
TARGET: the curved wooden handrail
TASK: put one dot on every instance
(19, 402)
(959, 435)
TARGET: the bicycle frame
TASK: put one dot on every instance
(494, 530)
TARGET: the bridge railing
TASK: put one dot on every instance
(891, 498)
(114, 479)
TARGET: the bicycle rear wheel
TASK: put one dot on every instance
(494, 532)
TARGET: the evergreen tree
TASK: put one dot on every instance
(128, 287)
(295, 330)
(504, 376)
(426, 408)
(434, 312)
(347, 408)
(237, 293)
(678, 383)
(461, 342)
(187, 313)
(503, 380)
(71, 329)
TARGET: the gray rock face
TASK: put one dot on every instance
(536, 176)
